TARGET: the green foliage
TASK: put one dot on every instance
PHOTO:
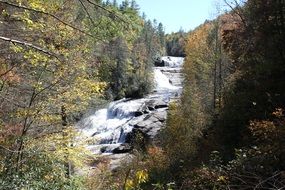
(140, 177)
(39, 171)
(175, 44)
(62, 56)
(128, 64)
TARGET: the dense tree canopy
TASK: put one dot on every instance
(175, 44)
(56, 59)
(230, 118)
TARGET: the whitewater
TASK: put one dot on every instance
(107, 129)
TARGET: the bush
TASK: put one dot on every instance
(38, 171)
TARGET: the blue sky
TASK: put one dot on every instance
(174, 14)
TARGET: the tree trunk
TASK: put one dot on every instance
(64, 134)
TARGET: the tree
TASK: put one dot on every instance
(175, 44)
(45, 80)
(161, 34)
(125, 4)
(115, 3)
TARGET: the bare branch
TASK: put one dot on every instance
(264, 181)
(89, 16)
(8, 71)
(47, 87)
(27, 44)
(107, 10)
(234, 9)
(4, 148)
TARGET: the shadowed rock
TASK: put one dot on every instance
(123, 148)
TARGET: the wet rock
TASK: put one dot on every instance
(159, 63)
(124, 148)
(147, 122)
(160, 106)
(103, 149)
(136, 120)
(153, 132)
(145, 111)
(107, 149)
(141, 111)
(156, 104)
(149, 127)
(138, 113)
(137, 139)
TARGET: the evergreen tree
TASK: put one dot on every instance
(134, 5)
(124, 5)
(161, 34)
(115, 3)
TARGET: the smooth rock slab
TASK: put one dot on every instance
(160, 115)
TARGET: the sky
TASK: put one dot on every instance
(176, 14)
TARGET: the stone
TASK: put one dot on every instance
(118, 160)
(123, 148)
(153, 132)
(138, 113)
(156, 104)
(160, 106)
(160, 115)
(146, 122)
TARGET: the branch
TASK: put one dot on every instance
(47, 87)
(264, 181)
(236, 12)
(4, 148)
(27, 44)
(6, 72)
(89, 16)
(107, 10)
(48, 14)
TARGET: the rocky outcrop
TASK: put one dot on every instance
(147, 126)
(150, 118)
(123, 148)
(130, 124)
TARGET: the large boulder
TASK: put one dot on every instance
(160, 115)
(123, 148)
(146, 128)
(156, 104)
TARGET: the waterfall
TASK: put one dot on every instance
(109, 127)
(162, 82)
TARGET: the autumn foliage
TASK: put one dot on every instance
(227, 131)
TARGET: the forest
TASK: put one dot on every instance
(59, 58)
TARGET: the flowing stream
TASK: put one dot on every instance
(107, 129)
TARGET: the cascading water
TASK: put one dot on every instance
(107, 128)
(162, 82)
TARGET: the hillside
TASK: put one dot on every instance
(93, 95)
